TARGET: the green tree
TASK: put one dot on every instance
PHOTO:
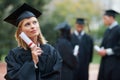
(69, 10)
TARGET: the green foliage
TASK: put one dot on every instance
(69, 10)
(96, 58)
(49, 32)
(98, 33)
(118, 19)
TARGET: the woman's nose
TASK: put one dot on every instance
(32, 26)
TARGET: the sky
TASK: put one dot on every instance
(111, 3)
(108, 4)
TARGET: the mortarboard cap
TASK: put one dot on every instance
(24, 11)
(112, 12)
(80, 21)
(63, 25)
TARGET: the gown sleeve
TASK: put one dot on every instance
(116, 48)
(16, 71)
(53, 66)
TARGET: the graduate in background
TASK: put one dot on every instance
(110, 52)
(41, 61)
(84, 56)
(65, 49)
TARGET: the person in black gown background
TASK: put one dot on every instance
(85, 52)
(42, 61)
(64, 46)
(110, 52)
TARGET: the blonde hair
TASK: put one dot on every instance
(21, 43)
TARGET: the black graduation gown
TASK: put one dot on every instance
(20, 65)
(69, 61)
(110, 65)
(84, 56)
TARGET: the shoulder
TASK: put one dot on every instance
(62, 40)
(15, 52)
(117, 29)
(88, 36)
(47, 46)
(48, 49)
(73, 34)
(18, 51)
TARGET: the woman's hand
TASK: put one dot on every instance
(36, 51)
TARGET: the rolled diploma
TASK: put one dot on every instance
(27, 40)
(97, 48)
(76, 49)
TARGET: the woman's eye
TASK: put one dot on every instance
(27, 24)
(34, 22)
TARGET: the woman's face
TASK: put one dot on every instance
(30, 27)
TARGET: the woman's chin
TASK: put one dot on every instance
(33, 36)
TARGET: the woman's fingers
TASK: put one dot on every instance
(39, 52)
(36, 51)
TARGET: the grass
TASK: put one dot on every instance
(3, 58)
(96, 58)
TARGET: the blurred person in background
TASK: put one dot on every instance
(64, 46)
(85, 51)
(110, 48)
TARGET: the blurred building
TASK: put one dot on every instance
(110, 3)
(105, 4)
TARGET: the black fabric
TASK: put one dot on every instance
(21, 67)
(25, 14)
(84, 56)
(63, 25)
(13, 17)
(111, 13)
(69, 61)
(80, 21)
(110, 65)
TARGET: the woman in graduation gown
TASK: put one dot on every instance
(66, 51)
(42, 61)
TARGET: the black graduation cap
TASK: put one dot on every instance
(80, 21)
(111, 12)
(63, 25)
(24, 11)
(83, 21)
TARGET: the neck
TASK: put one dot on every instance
(79, 31)
(34, 40)
(112, 21)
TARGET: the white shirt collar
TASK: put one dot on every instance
(77, 34)
(113, 25)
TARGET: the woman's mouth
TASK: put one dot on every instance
(33, 31)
